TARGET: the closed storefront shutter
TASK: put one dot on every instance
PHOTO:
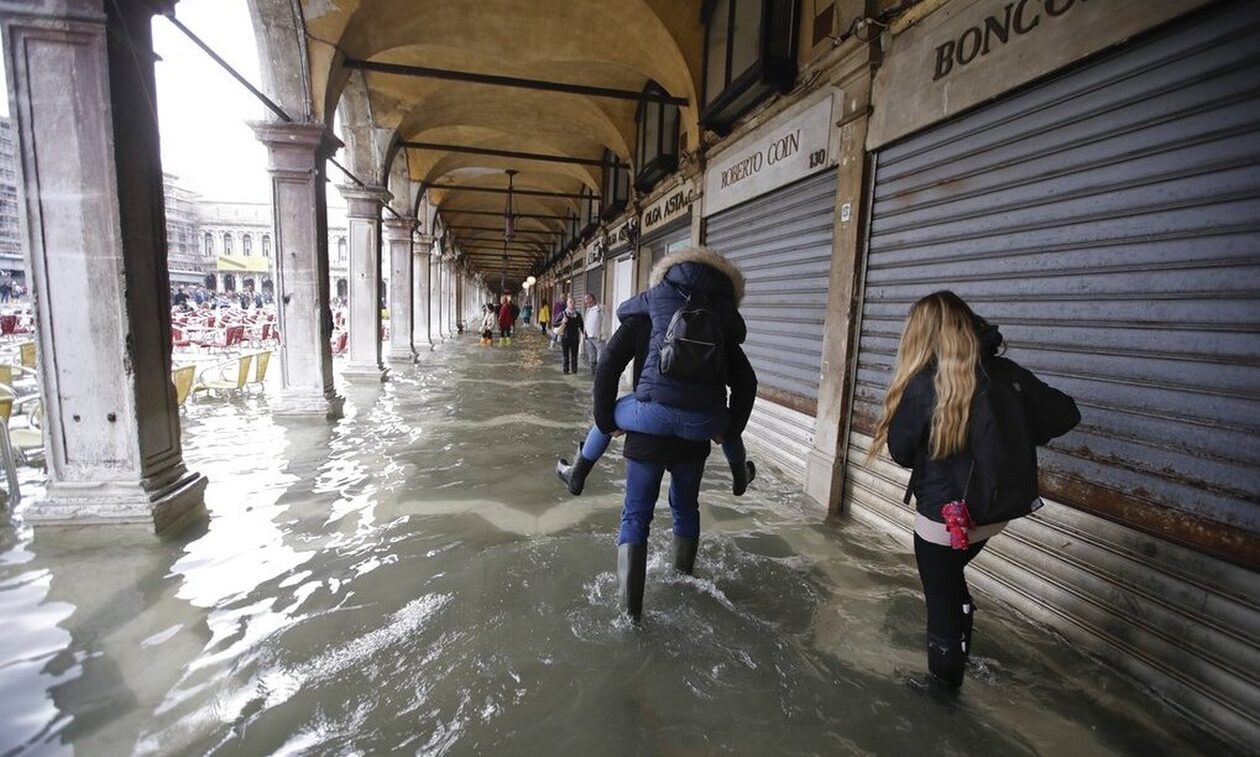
(1108, 219)
(782, 242)
(595, 282)
(579, 287)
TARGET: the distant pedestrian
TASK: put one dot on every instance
(488, 320)
(505, 321)
(592, 321)
(968, 423)
(570, 330)
(544, 317)
(527, 314)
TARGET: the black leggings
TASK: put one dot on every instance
(570, 348)
(949, 606)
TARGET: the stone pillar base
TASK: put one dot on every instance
(403, 356)
(824, 480)
(301, 403)
(81, 503)
(368, 372)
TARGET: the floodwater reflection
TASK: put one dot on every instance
(413, 578)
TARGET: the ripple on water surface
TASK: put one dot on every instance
(412, 578)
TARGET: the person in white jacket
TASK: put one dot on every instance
(591, 323)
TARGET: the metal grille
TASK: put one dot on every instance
(1109, 221)
(595, 283)
(782, 242)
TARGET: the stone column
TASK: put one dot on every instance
(401, 290)
(363, 216)
(825, 463)
(435, 295)
(422, 338)
(448, 296)
(90, 201)
(295, 159)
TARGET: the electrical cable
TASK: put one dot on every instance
(169, 15)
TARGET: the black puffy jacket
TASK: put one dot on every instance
(1049, 413)
(694, 271)
(630, 343)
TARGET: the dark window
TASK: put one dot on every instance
(209, 244)
(616, 185)
(658, 138)
(247, 245)
(341, 249)
(266, 243)
(750, 52)
(227, 244)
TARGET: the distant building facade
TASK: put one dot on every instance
(184, 260)
(12, 263)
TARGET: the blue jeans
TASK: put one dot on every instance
(632, 414)
(643, 487)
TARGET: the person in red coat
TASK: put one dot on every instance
(505, 320)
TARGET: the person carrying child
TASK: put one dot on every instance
(693, 304)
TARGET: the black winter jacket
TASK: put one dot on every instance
(720, 286)
(1049, 413)
(630, 342)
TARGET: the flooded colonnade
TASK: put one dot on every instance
(413, 577)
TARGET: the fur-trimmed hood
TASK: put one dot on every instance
(701, 256)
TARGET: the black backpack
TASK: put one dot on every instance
(694, 349)
(1003, 478)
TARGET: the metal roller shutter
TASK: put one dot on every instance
(595, 283)
(1108, 221)
(578, 283)
(782, 242)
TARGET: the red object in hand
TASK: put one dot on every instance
(957, 522)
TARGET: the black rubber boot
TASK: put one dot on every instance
(631, 574)
(685, 554)
(969, 620)
(945, 661)
(574, 475)
(742, 475)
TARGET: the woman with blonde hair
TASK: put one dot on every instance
(967, 422)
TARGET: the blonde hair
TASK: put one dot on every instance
(940, 330)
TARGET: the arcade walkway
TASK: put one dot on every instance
(413, 578)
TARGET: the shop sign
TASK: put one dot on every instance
(970, 51)
(621, 235)
(791, 147)
(670, 206)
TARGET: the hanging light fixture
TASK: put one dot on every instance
(509, 228)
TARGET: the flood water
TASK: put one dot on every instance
(413, 578)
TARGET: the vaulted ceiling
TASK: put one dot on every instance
(613, 44)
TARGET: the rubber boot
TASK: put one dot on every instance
(685, 554)
(969, 620)
(945, 661)
(742, 475)
(631, 575)
(574, 475)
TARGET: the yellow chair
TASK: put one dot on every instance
(183, 378)
(28, 354)
(261, 361)
(229, 376)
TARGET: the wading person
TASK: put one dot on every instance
(569, 327)
(557, 315)
(488, 320)
(968, 423)
(693, 308)
(544, 317)
(506, 317)
(591, 323)
(649, 455)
